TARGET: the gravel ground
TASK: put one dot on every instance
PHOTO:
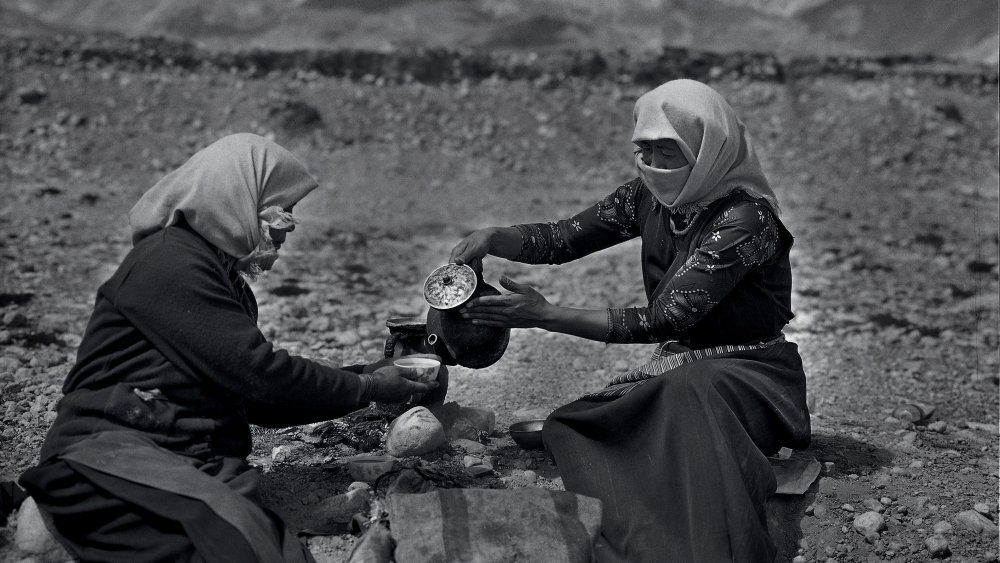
(888, 183)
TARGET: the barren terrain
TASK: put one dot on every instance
(887, 173)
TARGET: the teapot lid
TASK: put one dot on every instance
(449, 286)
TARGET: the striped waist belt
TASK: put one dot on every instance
(664, 360)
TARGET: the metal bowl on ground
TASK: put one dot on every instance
(368, 468)
(528, 434)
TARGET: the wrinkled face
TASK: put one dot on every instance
(661, 153)
(264, 256)
(278, 236)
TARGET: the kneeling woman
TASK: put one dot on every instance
(146, 460)
(675, 448)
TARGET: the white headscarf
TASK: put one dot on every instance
(710, 136)
(222, 190)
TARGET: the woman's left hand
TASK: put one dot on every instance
(523, 308)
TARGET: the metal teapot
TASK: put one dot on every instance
(455, 339)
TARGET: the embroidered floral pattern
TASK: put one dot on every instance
(742, 237)
(687, 306)
(763, 244)
(541, 243)
(618, 208)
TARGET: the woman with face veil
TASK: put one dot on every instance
(676, 448)
(146, 460)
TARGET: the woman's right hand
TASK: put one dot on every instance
(471, 249)
(392, 387)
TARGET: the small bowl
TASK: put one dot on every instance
(368, 468)
(528, 434)
(419, 367)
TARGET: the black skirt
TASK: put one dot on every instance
(680, 461)
(118, 497)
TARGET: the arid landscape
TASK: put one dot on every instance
(885, 165)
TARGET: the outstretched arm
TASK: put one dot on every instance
(742, 238)
(606, 223)
(525, 307)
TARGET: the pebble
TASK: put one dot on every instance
(468, 445)
(937, 546)
(281, 453)
(8, 364)
(873, 505)
(983, 427)
(530, 476)
(982, 508)
(938, 426)
(15, 319)
(479, 470)
(942, 528)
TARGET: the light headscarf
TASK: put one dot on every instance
(710, 136)
(222, 191)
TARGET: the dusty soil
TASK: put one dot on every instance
(888, 179)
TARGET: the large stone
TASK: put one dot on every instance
(415, 432)
(342, 508)
(33, 538)
(459, 420)
(937, 545)
(462, 429)
(976, 522)
(869, 524)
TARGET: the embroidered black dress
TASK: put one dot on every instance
(676, 449)
(146, 460)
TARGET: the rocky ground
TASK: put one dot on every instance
(887, 173)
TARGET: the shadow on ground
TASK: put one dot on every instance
(787, 513)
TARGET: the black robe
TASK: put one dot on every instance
(146, 458)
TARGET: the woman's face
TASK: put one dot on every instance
(662, 153)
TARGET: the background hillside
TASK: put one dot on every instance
(965, 29)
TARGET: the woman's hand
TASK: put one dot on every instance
(523, 308)
(392, 387)
(504, 242)
(472, 249)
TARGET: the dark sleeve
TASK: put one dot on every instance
(278, 416)
(178, 297)
(742, 238)
(608, 222)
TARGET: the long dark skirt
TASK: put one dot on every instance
(120, 498)
(680, 462)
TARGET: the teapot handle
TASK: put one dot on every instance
(390, 345)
